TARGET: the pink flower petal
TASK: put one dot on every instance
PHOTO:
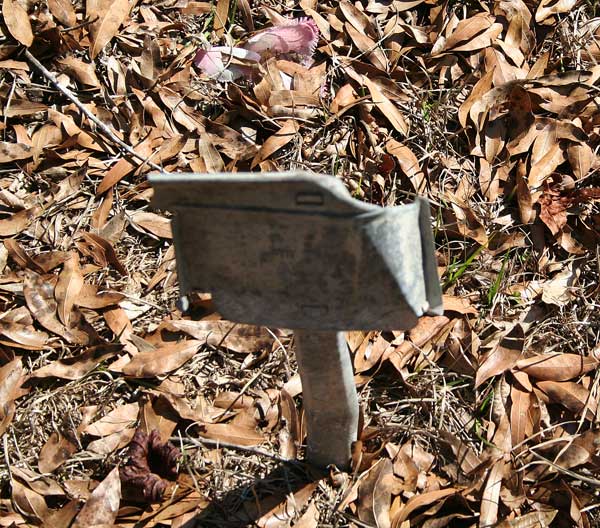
(215, 62)
(295, 39)
(210, 62)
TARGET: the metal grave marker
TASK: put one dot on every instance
(295, 250)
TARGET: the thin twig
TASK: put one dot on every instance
(578, 476)
(102, 126)
(203, 442)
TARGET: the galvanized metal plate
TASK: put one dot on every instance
(294, 250)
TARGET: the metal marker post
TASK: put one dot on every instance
(294, 250)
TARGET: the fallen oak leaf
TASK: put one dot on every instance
(571, 395)
(101, 250)
(11, 379)
(102, 506)
(70, 282)
(63, 11)
(107, 17)
(17, 22)
(164, 359)
(556, 367)
(233, 336)
(18, 222)
(75, 367)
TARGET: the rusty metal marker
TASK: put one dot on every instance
(295, 250)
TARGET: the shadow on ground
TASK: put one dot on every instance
(244, 505)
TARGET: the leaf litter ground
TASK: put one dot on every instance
(116, 409)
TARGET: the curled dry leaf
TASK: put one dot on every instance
(55, 452)
(110, 443)
(17, 325)
(39, 295)
(282, 514)
(490, 499)
(418, 501)
(571, 395)
(11, 379)
(233, 336)
(63, 11)
(75, 367)
(164, 359)
(232, 434)
(90, 296)
(101, 251)
(106, 17)
(117, 420)
(17, 22)
(521, 424)
(102, 506)
(70, 282)
(502, 357)
(557, 367)
(149, 463)
(375, 496)
(18, 222)
(28, 501)
(548, 8)
(530, 520)
(155, 224)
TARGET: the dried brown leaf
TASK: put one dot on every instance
(557, 367)
(164, 359)
(81, 71)
(465, 456)
(502, 357)
(232, 434)
(110, 443)
(18, 222)
(23, 335)
(101, 250)
(537, 519)
(29, 502)
(490, 498)
(90, 296)
(420, 500)
(521, 425)
(68, 287)
(282, 514)
(63, 11)
(571, 395)
(155, 224)
(375, 495)
(108, 15)
(548, 8)
(102, 506)
(17, 22)
(282, 137)
(233, 336)
(11, 379)
(388, 109)
(115, 174)
(117, 420)
(581, 157)
(55, 452)
(20, 256)
(76, 367)
(368, 46)
(464, 37)
(408, 163)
